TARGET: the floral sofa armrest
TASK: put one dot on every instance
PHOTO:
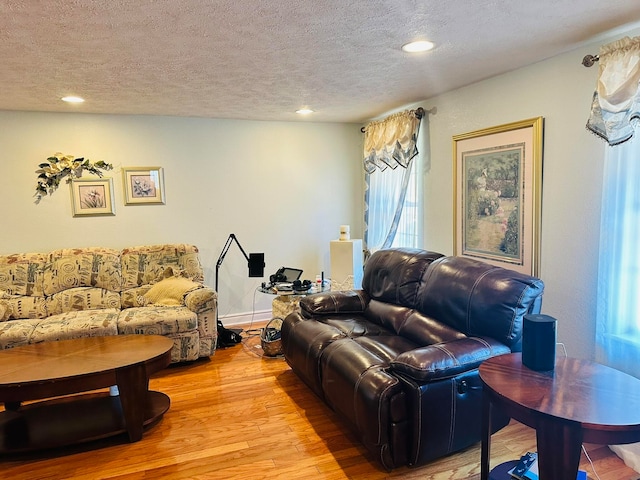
(201, 299)
(204, 301)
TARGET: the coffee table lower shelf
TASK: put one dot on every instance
(70, 420)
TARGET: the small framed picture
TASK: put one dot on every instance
(143, 185)
(92, 197)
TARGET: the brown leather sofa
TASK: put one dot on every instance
(398, 359)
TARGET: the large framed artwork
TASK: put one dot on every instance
(143, 185)
(91, 197)
(497, 194)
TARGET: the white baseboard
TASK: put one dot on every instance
(245, 318)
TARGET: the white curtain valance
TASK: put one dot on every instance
(391, 142)
(616, 102)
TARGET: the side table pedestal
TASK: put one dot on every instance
(283, 305)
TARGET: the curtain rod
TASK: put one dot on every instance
(418, 112)
(589, 60)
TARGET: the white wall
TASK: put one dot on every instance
(283, 188)
(560, 90)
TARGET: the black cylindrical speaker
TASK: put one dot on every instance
(539, 342)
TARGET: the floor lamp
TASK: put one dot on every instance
(255, 263)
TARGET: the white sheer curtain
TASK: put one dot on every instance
(390, 196)
(618, 301)
(385, 200)
(614, 115)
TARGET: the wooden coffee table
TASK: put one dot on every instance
(65, 368)
(579, 401)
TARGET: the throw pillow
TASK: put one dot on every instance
(170, 291)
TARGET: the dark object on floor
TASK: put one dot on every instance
(228, 337)
(501, 472)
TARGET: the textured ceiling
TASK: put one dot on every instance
(263, 59)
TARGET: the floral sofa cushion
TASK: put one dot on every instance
(146, 265)
(134, 297)
(83, 267)
(20, 306)
(82, 298)
(178, 323)
(76, 324)
(17, 333)
(22, 286)
(22, 274)
(157, 320)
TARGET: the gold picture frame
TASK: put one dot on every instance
(498, 194)
(143, 185)
(92, 197)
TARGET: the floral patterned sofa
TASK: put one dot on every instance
(95, 291)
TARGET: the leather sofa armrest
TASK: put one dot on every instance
(448, 359)
(201, 299)
(330, 303)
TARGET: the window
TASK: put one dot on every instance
(618, 300)
(393, 197)
(409, 231)
(384, 191)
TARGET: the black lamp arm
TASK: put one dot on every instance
(232, 238)
(255, 261)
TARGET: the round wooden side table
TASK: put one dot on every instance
(579, 401)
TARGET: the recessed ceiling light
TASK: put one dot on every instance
(419, 46)
(304, 111)
(72, 99)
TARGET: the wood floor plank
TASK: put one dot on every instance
(243, 416)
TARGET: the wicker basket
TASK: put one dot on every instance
(270, 338)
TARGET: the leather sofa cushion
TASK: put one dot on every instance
(328, 303)
(303, 343)
(479, 299)
(354, 325)
(345, 311)
(395, 276)
(410, 323)
(444, 360)
(386, 347)
(356, 384)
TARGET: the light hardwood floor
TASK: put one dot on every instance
(241, 415)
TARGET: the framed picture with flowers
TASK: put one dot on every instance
(92, 197)
(497, 194)
(143, 185)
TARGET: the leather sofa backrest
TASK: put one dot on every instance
(411, 323)
(479, 299)
(396, 275)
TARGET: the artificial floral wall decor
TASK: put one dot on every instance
(60, 166)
